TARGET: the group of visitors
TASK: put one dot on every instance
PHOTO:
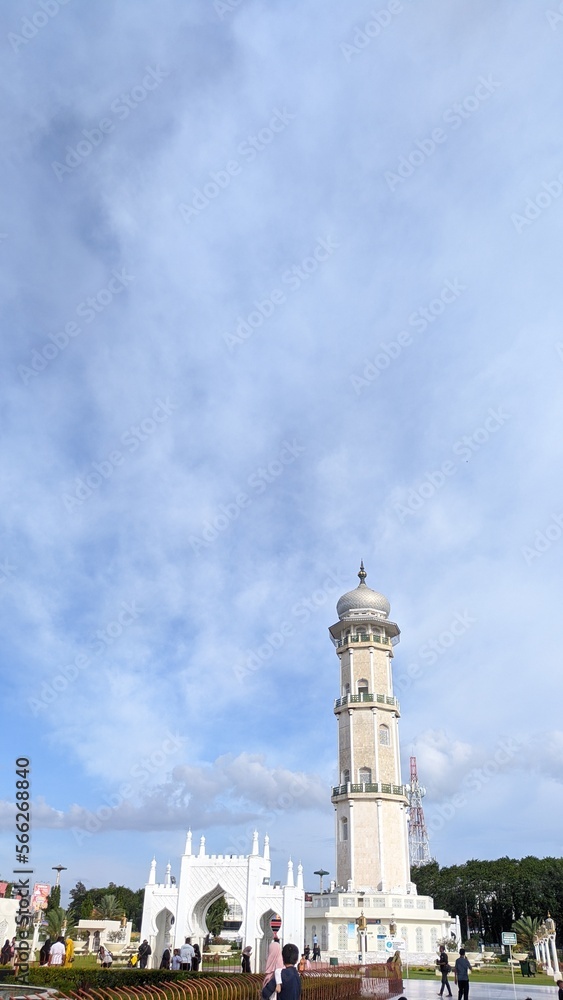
(8, 951)
(461, 970)
(187, 958)
(58, 952)
(281, 976)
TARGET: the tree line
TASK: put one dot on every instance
(489, 896)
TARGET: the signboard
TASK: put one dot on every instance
(40, 896)
(395, 944)
(509, 937)
(275, 923)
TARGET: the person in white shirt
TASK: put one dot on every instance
(176, 961)
(186, 955)
(57, 952)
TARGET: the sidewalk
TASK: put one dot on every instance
(421, 989)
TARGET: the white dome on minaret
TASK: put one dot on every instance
(363, 600)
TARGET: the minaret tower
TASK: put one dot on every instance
(370, 802)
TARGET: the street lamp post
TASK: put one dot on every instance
(321, 872)
(58, 869)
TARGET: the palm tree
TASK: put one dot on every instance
(526, 929)
(58, 923)
(109, 908)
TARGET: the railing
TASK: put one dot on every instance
(325, 982)
(354, 699)
(371, 787)
(351, 640)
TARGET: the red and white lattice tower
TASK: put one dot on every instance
(419, 845)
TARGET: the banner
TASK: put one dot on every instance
(40, 896)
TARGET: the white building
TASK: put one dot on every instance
(370, 803)
(173, 912)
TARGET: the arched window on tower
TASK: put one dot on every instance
(345, 776)
(344, 828)
(363, 687)
(346, 689)
(384, 736)
(365, 776)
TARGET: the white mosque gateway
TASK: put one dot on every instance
(372, 886)
(173, 912)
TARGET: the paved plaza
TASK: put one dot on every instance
(422, 989)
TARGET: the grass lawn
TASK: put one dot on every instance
(491, 974)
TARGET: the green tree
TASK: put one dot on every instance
(58, 922)
(54, 900)
(215, 916)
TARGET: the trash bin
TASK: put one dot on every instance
(333, 961)
(525, 967)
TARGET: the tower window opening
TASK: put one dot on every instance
(344, 828)
(346, 689)
(384, 736)
(345, 776)
(363, 687)
(365, 775)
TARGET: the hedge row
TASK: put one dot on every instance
(66, 979)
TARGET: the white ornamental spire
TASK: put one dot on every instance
(255, 847)
(188, 849)
(266, 848)
(299, 876)
(167, 874)
(202, 847)
(152, 873)
(290, 873)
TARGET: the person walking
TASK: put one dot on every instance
(57, 952)
(274, 960)
(196, 960)
(6, 953)
(165, 960)
(245, 959)
(187, 955)
(144, 951)
(443, 963)
(462, 969)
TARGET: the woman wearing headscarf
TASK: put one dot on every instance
(245, 959)
(6, 953)
(45, 951)
(274, 960)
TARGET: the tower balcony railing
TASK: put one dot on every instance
(369, 788)
(366, 696)
(351, 640)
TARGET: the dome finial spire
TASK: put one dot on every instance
(362, 574)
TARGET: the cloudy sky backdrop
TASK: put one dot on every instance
(282, 290)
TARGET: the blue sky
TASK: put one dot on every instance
(282, 290)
